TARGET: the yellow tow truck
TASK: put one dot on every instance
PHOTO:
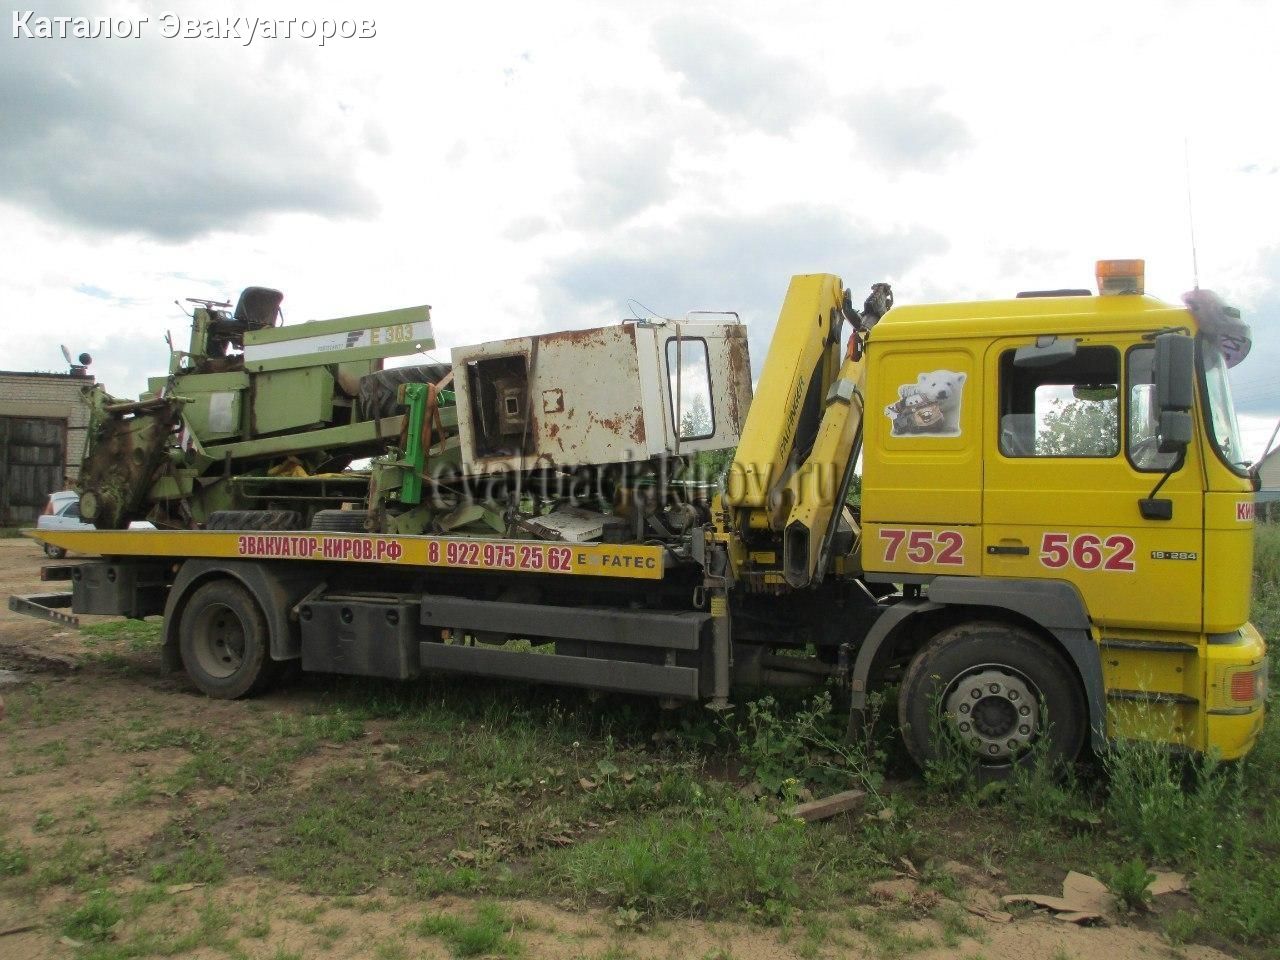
(1053, 544)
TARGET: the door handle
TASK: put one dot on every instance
(997, 550)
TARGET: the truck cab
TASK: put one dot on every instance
(1047, 480)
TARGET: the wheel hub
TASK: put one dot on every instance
(220, 643)
(995, 712)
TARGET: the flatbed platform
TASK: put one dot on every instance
(631, 561)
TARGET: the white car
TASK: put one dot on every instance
(62, 512)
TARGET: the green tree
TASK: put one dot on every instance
(696, 419)
(1079, 428)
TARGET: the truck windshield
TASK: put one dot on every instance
(1219, 410)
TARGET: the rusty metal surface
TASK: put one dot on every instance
(738, 398)
(596, 396)
(127, 447)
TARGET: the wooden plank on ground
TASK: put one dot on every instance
(828, 806)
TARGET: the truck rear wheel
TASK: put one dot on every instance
(999, 691)
(224, 641)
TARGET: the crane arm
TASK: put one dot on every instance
(817, 490)
(798, 448)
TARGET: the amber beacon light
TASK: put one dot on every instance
(1120, 276)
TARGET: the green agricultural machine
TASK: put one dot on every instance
(256, 423)
(564, 436)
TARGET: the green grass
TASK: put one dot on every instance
(71, 863)
(487, 933)
(477, 789)
(201, 862)
(728, 857)
(14, 859)
(885, 934)
(134, 635)
(93, 920)
(1128, 884)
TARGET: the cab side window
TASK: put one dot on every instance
(689, 374)
(1143, 446)
(1067, 409)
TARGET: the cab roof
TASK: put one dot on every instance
(1030, 315)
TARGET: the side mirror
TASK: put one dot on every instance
(1175, 389)
(1045, 352)
(1175, 431)
(1175, 371)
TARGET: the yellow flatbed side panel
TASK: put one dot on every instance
(639, 562)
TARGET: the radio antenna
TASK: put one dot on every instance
(1191, 216)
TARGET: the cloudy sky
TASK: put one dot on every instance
(530, 167)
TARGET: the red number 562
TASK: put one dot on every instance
(1088, 552)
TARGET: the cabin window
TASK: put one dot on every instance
(1142, 443)
(689, 378)
(1070, 408)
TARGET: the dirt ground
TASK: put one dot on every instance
(264, 918)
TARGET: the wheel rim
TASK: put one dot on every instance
(995, 710)
(219, 641)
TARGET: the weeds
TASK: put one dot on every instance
(890, 942)
(956, 925)
(806, 743)
(201, 863)
(953, 769)
(14, 859)
(1128, 884)
(93, 921)
(488, 933)
(1171, 808)
(70, 863)
(723, 858)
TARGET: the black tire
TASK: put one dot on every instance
(377, 398)
(54, 553)
(254, 520)
(997, 685)
(343, 521)
(225, 643)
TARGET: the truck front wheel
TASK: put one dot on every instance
(224, 641)
(995, 691)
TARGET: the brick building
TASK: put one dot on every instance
(42, 434)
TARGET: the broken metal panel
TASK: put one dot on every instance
(575, 525)
(127, 445)
(596, 396)
(701, 374)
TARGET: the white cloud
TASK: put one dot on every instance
(734, 74)
(530, 167)
(138, 136)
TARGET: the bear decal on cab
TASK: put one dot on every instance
(928, 407)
